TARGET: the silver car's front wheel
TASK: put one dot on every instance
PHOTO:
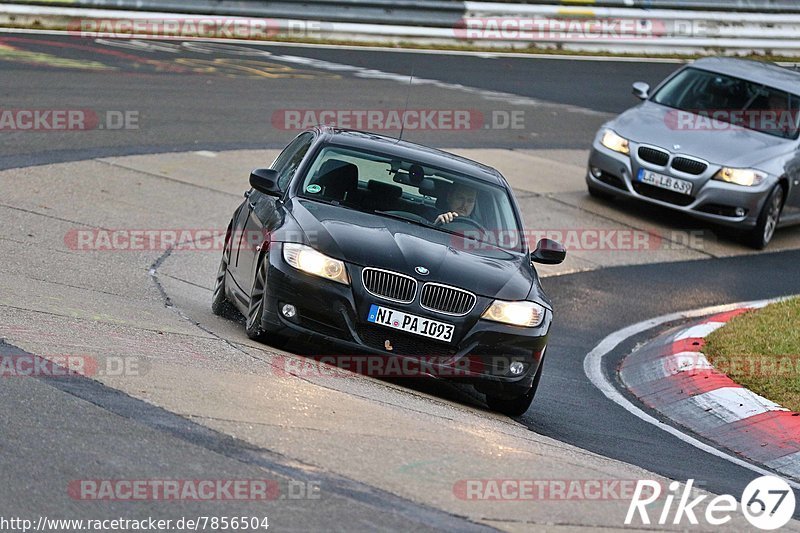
(760, 236)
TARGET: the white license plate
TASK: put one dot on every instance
(392, 318)
(665, 182)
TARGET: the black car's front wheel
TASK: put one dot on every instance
(515, 404)
(220, 305)
(760, 235)
(255, 310)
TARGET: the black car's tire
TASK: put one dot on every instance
(760, 236)
(255, 311)
(597, 193)
(511, 406)
(254, 325)
(516, 405)
(220, 305)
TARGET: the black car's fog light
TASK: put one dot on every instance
(516, 368)
(289, 311)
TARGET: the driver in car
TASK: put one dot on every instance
(460, 201)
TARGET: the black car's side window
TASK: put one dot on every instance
(286, 164)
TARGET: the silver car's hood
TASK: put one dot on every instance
(716, 142)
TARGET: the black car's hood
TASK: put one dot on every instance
(383, 242)
(716, 142)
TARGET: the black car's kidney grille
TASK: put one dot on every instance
(652, 155)
(389, 285)
(403, 343)
(445, 299)
(690, 166)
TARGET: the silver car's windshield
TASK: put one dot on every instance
(386, 186)
(741, 103)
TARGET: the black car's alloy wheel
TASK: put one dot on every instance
(255, 311)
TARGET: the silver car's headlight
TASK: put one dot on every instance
(740, 176)
(612, 141)
(312, 262)
(527, 314)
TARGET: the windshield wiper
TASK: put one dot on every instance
(433, 226)
(395, 216)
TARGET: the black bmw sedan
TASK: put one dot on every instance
(388, 248)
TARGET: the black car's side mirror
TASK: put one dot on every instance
(549, 252)
(641, 90)
(265, 180)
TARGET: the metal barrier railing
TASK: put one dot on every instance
(506, 24)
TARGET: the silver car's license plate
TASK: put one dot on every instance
(417, 325)
(665, 182)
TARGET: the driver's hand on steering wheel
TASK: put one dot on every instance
(445, 218)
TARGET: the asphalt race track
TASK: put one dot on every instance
(213, 97)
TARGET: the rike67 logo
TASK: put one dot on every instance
(768, 503)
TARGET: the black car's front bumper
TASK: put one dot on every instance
(328, 311)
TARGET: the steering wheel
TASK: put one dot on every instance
(469, 222)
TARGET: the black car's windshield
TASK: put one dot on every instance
(420, 194)
(737, 102)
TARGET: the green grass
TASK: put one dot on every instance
(760, 350)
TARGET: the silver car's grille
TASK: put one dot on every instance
(652, 155)
(690, 166)
(446, 299)
(389, 285)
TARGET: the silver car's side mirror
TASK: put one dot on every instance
(641, 90)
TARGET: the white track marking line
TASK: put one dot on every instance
(593, 367)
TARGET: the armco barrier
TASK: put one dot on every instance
(492, 24)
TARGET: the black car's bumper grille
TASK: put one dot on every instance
(653, 155)
(690, 166)
(389, 285)
(662, 194)
(446, 299)
(403, 343)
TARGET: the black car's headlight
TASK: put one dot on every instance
(612, 141)
(312, 262)
(740, 176)
(526, 314)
